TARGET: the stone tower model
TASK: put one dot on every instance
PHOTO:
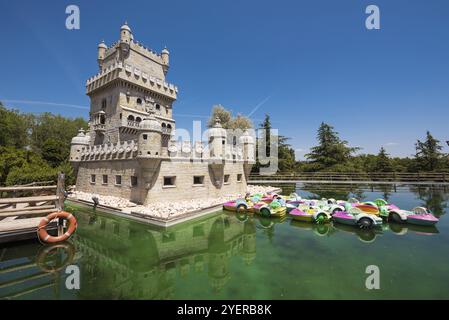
(129, 150)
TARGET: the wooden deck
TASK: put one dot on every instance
(24, 207)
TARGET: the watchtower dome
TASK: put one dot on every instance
(126, 37)
(150, 137)
(217, 140)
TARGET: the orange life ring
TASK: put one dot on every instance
(43, 234)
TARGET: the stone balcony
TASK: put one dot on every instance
(99, 127)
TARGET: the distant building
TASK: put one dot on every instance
(129, 150)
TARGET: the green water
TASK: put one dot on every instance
(223, 257)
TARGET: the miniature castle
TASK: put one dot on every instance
(130, 150)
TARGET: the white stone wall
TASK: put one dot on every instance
(184, 187)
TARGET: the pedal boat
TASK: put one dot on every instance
(238, 205)
(356, 217)
(418, 216)
(274, 209)
(309, 214)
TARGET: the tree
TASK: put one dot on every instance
(220, 112)
(19, 166)
(13, 128)
(428, 153)
(54, 152)
(286, 155)
(240, 122)
(227, 120)
(383, 162)
(48, 126)
(331, 151)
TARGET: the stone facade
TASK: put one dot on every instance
(129, 150)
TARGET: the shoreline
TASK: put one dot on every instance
(162, 214)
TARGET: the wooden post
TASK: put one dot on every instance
(60, 202)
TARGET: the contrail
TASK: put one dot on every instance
(259, 105)
(46, 103)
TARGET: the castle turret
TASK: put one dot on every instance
(247, 143)
(217, 140)
(150, 137)
(165, 55)
(101, 54)
(76, 147)
(217, 150)
(125, 38)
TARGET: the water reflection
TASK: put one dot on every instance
(121, 259)
(433, 197)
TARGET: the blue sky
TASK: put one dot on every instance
(302, 62)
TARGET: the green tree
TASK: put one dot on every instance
(383, 161)
(428, 153)
(13, 128)
(19, 166)
(227, 120)
(286, 155)
(331, 151)
(54, 152)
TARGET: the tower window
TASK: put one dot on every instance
(239, 177)
(105, 179)
(118, 180)
(139, 101)
(169, 181)
(158, 107)
(198, 180)
(133, 181)
(226, 178)
(92, 178)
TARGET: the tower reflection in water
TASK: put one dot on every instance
(132, 261)
(121, 259)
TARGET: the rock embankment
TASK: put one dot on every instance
(165, 210)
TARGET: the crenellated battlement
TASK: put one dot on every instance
(110, 151)
(105, 71)
(147, 52)
(132, 74)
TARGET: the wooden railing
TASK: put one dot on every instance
(21, 207)
(356, 176)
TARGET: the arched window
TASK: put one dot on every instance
(169, 126)
(163, 125)
(130, 117)
(158, 107)
(138, 119)
(139, 101)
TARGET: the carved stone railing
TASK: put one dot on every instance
(99, 127)
(110, 151)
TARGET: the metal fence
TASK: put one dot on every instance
(356, 176)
